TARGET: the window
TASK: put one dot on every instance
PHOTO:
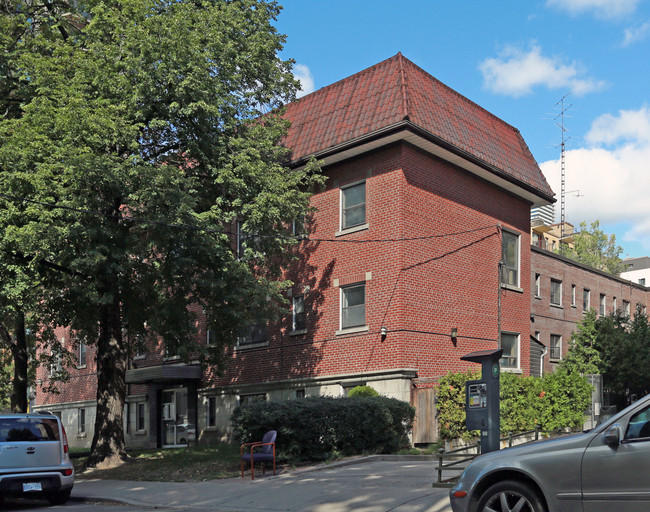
(510, 258)
(573, 295)
(626, 307)
(251, 399)
(298, 314)
(556, 292)
(538, 288)
(353, 306)
(298, 227)
(353, 205)
(586, 299)
(55, 359)
(210, 334)
(81, 421)
(556, 346)
(139, 416)
(642, 281)
(81, 354)
(639, 425)
(510, 346)
(212, 412)
(602, 304)
(254, 334)
(614, 305)
(300, 393)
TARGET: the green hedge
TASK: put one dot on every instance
(556, 401)
(314, 429)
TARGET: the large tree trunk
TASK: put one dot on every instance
(108, 447)
(19, 402)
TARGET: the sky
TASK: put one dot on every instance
(520, 60)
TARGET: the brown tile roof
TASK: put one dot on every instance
(397, 91)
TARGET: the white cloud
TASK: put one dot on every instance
(303, 74)
(516, 72)
(635, 34)
(628, 126)
(601, 8)
(613, 181)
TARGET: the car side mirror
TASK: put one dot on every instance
(612, 436)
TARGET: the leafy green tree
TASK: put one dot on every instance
(624, 347)
(595, 248)
(147, 142)
(583, 356)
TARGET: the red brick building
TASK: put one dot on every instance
(562, 290)
(418, 253)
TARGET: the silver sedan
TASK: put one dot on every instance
(604, 470)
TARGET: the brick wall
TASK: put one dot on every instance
(547, 318)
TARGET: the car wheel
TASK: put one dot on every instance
(510, 496)
(183, 441)
(60, 498)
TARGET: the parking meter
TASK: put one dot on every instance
(482, 399)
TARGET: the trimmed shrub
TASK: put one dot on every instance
(362, 391)
(313, 429)
(556, 401)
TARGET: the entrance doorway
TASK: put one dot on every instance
(177, 431)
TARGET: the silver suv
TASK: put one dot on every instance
(34, 458)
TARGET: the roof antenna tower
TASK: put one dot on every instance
(563, 110)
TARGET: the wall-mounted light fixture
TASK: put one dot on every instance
(383, 331)
(454, 335)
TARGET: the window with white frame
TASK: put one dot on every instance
(538, 287)
(573, 295)
(586, 299)
(353, 306)
(614, 304)
(602, 304)
(556, 292)
(556, 346)
(81, 421)
(81, 354)
(140, 416)
(510, 346)
(211, 416)
(626, 308)
(298, 313)
(510, 258)
(353, 205)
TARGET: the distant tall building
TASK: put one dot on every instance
(545, 214)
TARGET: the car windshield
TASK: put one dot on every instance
(28, 429)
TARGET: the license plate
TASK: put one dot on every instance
(32, 486)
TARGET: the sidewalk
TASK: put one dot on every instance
(371, 484)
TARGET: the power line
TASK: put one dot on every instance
(251, 235)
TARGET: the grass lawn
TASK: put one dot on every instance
(171, 465)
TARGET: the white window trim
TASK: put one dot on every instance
(295, 331)
(550, 346)
(357, 328)
(573, 295)
(352, 229)
(556, 304)
(538, 286)
(517, 285)
(513, 369)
